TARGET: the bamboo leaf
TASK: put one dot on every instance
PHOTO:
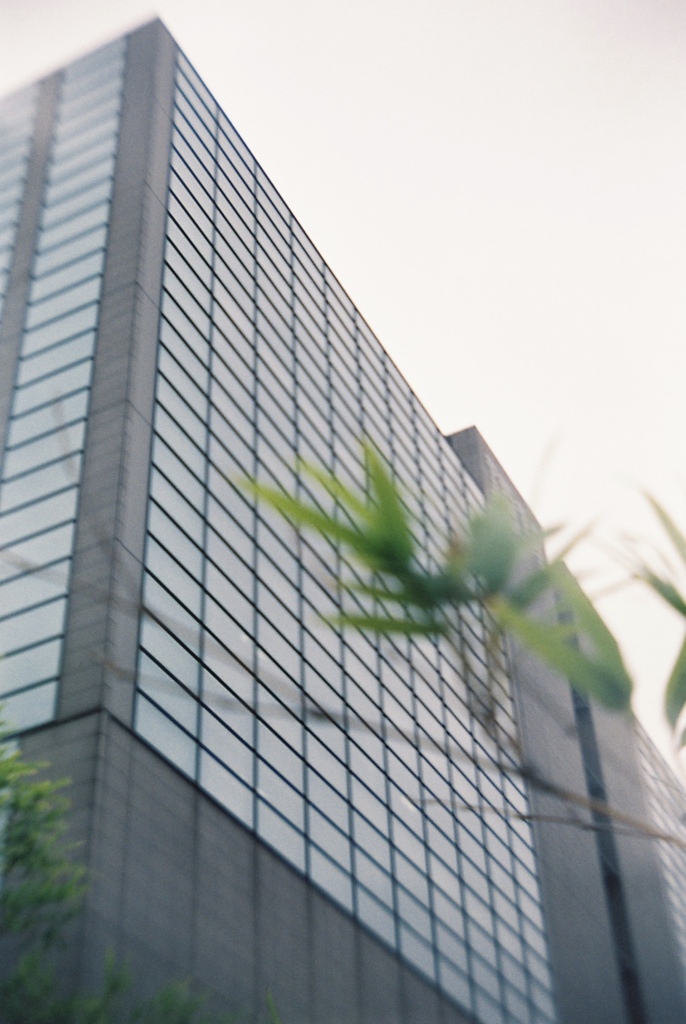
(389, 531)
(675, 694)
(573, 542)
(379, 592)
(600, 674)
(491, 546)
(671, 529)
(553, 644)
(337, 490)
(446, 587)
(665, 589)
(271, 1006)
(523, 594)
(307, 515)
(382, 624)
(604, 654)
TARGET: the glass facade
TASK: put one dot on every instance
(16, 131)
(366, 763)
(47, 429)
(667, 803)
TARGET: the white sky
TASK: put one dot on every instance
(501, 187)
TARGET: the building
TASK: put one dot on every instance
(264, 801)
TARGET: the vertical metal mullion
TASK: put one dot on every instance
(206, 481)
(452, 768)
(349, 790)
(300, 555)
(255, 471)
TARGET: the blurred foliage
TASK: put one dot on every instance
(488, 563)
(664, 583)
(41, 891)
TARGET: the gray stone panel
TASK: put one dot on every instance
(657, 957)
(183, 890)
(581, 944)
(583, 954)
(333, 945)
(379, 1003)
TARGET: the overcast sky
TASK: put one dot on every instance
(501, 187)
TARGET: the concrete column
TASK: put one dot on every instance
(102, 626)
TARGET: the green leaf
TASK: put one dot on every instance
(337, 490)
(665, 589)
(389, 535)
(572, 543)
(604, 649)
(382, 624)
(600, 675)
(307, 515)
(671, 529)
(440, 588)
(675, 694)
(491, 546)
(523, 594)
(271, 1006)
(381, 592)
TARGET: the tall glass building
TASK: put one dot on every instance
(265, 800)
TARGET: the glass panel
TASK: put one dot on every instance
(50, 389)
(58, 330)
(75, 226)
(53, 359)
(67, 276)
(31, 666)
(83, 116)
(56, 305)
(180, 704)
(82, 158)
(70, 250)
(38, 551)
(82, 200)
(172, 576)
(91, 173)
(34, 587)
(153, 725)
(225, 787)
(37, 517)
(329, 876)
(28, 627)
(47, 418)
(378, 918)
(281, 836)
(30, 708)
(44, 449)
(65, 147)
(40, 482)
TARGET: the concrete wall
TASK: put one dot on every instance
(658, 963)
(183, 890)
(587, 963)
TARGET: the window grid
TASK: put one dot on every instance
(16, 129)
(42, 458)
(294, 727)
(667, 805)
